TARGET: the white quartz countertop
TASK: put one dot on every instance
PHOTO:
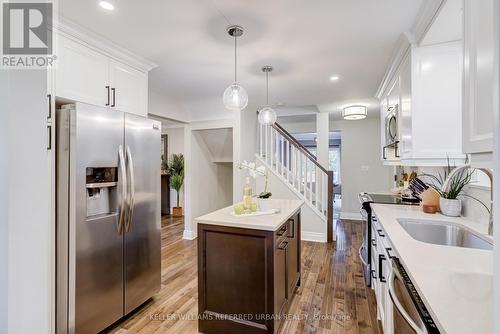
(456, 284)
(223, 217)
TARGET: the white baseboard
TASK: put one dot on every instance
(350, 215)
(189, 235)
(313, 236)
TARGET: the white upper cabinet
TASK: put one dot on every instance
(129, 88)
(478, 87)
(425, 97)
(92, 70)
(81, 73)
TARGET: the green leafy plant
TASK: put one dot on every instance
(164, 163)
(456, 184)
(175, 169)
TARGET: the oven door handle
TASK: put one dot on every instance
(394, 275)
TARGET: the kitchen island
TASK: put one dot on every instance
(248, 269)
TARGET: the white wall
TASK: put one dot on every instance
(30, 232)
(175, 146)
(4, 151)
(203, 193)
(163, 106)
(360, 150)
(361, 166)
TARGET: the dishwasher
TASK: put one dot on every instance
(409, 312)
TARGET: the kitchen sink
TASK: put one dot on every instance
(444, 233)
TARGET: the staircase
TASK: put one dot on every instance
(299, 169)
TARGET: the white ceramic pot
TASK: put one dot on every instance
(450, 207)
(265, 204)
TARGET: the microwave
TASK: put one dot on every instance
(391, 125)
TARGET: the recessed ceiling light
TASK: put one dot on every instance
(108, 5)
(334, 78)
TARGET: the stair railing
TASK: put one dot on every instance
(299, 168)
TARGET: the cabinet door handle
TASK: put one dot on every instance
(384, 154)
(49, 97)
(107, 88)
(283, 245)
(291, 233)
(49, 137)
(388, 250)
(282, 231)
(396, 150)
(374, 276)
(381, 277)
(113, 90)
(380, 234)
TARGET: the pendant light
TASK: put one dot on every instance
(267, 115)
(235, 97)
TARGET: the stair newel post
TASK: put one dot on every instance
(330, 208)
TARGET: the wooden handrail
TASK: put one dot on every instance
(299, 146)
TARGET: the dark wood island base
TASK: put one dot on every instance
(247, 277)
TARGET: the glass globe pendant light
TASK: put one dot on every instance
(235, 97)
(267, 115)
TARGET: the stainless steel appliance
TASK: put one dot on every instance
(365, 249)
(108, 216)
(391, 125)
(409, 312)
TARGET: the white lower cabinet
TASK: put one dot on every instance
(381, 264)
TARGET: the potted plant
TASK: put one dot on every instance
(253, 171)
(450, 186)
(175, 170)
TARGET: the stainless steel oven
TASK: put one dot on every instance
(391, 125)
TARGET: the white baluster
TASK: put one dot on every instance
(288, 159)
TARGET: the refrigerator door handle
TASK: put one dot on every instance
(123, 200)
(132, 190)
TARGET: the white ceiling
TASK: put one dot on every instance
(447, 25)
(306, 42)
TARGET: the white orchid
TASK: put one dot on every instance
(255, 172)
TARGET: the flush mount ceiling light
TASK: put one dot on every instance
(267, 115)
(107, 4)
(235, 97)
(334, 78)
(354, 112)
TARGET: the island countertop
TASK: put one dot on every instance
(223, 217)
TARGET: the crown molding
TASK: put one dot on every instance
(425, 18)
(99, 43)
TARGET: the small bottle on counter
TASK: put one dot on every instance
(247, 194)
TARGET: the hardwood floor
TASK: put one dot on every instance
(332, 297)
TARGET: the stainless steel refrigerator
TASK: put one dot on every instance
(108, 216)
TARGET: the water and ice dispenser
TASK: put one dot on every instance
(101, 186)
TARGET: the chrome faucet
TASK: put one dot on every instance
(486, 171)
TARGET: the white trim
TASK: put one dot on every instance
(399, 54)
(425, 18)
(100, 44)
(189, 235)
(350, 215)
(313, 236)
(287, 183)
